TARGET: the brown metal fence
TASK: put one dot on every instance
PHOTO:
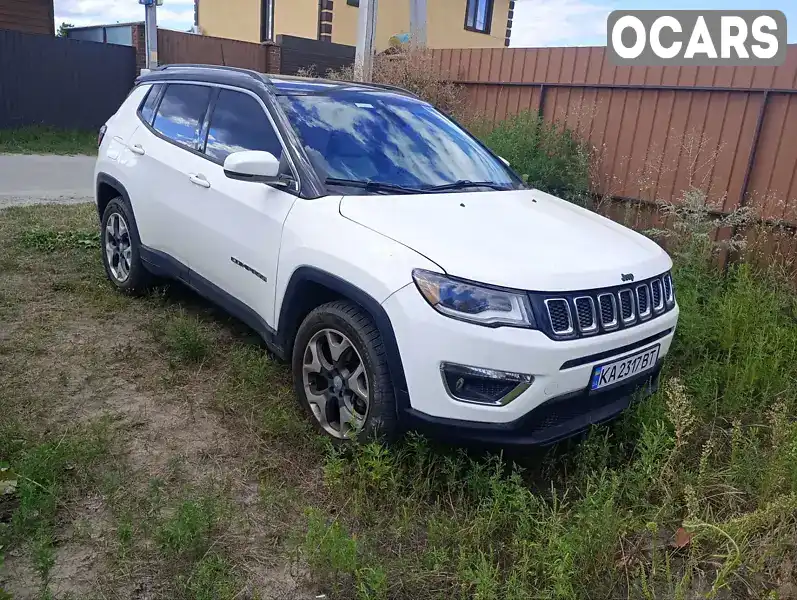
(289, 55)
(175, 47)
(731, 130)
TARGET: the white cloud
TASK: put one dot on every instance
(559, 23)
(174, 14)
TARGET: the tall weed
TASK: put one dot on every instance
(549, 155)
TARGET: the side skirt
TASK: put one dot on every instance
(161, 264)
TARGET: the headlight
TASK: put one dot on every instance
(472, 302)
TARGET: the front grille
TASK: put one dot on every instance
(585, 314)
(568, 315)
(643, 301)
(559, 315)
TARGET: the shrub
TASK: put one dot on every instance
(414, 71)
(552, 157)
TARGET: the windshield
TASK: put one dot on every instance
(390, 139)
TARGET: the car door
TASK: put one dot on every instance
(240, 231)
(168, 160)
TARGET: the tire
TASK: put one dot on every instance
(335, 324)
(121, 247)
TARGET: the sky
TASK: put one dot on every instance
(537, 22)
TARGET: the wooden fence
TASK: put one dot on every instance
(730, 130)
(59, 82)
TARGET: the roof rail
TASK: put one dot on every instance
(249, 72)
(386, 86)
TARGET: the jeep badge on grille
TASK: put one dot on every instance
(627, 276)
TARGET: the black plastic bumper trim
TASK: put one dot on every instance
(584, 360)
(529, 430)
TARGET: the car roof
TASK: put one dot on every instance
(247, 78)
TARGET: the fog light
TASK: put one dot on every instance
(483, 386)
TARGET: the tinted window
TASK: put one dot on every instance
(239, 123)
(181, 112)
(148, 107)
(388, 138)
(478, 15)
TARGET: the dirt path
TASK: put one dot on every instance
(191, 488)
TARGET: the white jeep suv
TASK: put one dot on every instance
(408, 274)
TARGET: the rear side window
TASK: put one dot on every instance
(181, 113)
(147, 110)
(239, 123)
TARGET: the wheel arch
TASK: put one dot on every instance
(109, 188)
(309, 288)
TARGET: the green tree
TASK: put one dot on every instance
(62, 29)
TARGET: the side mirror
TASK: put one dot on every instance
(505, 161)
(252, 165)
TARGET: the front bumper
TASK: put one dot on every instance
(561, 371)
(552, 421)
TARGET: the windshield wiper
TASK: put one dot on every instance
(373, 186)
(464, 184)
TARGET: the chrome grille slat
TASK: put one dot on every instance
(642, 294)
(625, 300)
(559, 316)
(608, 310)
(585, 314)
(657, 295)
(668, 294)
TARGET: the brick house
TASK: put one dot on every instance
(28, 16)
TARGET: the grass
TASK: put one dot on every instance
(44, 474)
(213, 485)
(187, 339)
(40, 139)
(188, 530)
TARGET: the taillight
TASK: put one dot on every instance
(101, 135)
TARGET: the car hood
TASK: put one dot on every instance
(523, 239)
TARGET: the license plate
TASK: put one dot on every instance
(619, 370)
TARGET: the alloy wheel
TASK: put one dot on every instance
(336, 383)
(118, 249)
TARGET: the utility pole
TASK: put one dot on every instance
(151, 30)
(418, 24)
(366, 31)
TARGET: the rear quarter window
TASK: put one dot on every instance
(147, 109)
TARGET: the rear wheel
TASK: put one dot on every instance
(121, 249)
(341, 375)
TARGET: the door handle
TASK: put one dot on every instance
(199, 180)
(137, 149)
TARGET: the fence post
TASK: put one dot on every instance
(733, 257)
(418, 17)
(541, 108)
(151, 30)
(366, 31)
(753, 149)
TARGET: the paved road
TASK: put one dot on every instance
(32, 179)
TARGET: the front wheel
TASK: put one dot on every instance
(341, 375)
